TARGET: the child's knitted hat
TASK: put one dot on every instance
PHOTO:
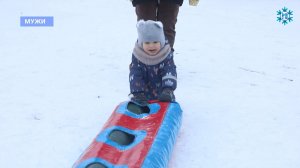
(150, 31)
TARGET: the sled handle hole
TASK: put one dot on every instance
(96, 165)
(121, 137)
(134, 108)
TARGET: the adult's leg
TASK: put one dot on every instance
(167, 14)
(146, 11)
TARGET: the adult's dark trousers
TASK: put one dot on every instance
(165, 11)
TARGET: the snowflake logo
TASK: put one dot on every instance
(169, 83)
(284, 16)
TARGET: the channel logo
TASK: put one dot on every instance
(36, 21)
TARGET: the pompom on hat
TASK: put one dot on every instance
(150, 31)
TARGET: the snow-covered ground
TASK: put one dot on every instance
(238, 71)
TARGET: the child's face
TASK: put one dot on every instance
(151, 48)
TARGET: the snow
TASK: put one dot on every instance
(238, 81)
